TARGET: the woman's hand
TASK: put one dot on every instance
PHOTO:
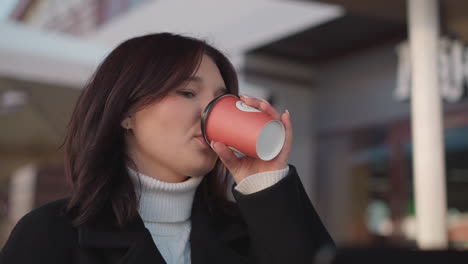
(245, 166)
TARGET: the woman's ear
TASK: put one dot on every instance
(127, 123)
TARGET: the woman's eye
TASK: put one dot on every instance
(187, 94)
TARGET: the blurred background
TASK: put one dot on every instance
(341, 68)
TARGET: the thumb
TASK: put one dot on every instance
(225, 155)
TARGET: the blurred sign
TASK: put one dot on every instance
(453, 70)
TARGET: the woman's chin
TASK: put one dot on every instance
(203, 168)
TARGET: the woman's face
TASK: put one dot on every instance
(165, 139)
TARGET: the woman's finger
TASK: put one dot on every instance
(261, 105)
(228, 158)
(286, 120)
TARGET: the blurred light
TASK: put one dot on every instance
(378, 218)
(12, 100)
(6, 7)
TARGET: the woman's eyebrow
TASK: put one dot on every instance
(220, 90)
(195, 79)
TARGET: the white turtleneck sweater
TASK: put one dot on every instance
(165, 209)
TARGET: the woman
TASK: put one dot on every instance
(146, 188)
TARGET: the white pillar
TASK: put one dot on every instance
(22, 192)
(426, 122)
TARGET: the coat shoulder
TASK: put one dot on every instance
(48, 217)
(45, 232)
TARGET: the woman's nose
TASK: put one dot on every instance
(204, 104)
(206, 101)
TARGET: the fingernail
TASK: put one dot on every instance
(245, 96)
(212, 144)
(287, 111)
(265, 101)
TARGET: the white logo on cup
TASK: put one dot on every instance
(243, 107)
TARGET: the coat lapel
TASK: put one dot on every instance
(101, 242)
(209, 238)
(143, 251)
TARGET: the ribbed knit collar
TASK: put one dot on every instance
(163, 201)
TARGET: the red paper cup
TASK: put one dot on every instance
(243, 128)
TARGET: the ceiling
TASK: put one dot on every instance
(333, 39)
(39, 124)
(232, 26)
(366, 23)
(452, 12)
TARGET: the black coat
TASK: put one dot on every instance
(275, 225)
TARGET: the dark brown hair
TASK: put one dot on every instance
(138, 72)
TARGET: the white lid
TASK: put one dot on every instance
(270, 140)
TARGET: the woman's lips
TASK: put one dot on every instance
(201, 139)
